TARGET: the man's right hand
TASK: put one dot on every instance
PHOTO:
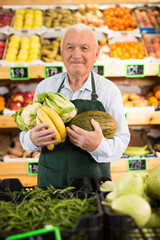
(40, 135)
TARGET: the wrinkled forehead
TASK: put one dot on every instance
(81, 37)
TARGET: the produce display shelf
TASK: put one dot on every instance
(142, 118)
(9, 170)
(38, 72)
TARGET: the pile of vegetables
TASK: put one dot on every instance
(138, 195)
(38, 208)
(25, 118)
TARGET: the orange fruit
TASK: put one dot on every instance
(153, 100)
(156, 88)
(149, 94)
(157, 94)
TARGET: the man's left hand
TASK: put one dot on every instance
(87, 140)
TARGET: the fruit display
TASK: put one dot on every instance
(5, 17)
(23, 49)
(132, 151)
(58, 17)
(104, 49)
(107, 122)
(128, 50)
(154, 95)
(2, 103)
(50, 50)
(20, 99)
(140, 190)
(147, 17)
(134, 100)
(152, 44)
(28, 19)
(119, 18)
(2, 46)
(89, 14)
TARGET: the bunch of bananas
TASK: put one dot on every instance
(48, 115)
(133, 151)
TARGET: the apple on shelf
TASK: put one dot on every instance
(15, 105)
(20, 99)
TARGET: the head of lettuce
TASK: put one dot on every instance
(25, 118)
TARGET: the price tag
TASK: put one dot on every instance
(99, 69)
(135, 70)
(52, 70)
(159, 70)
(137, 164)
(32, 168)
(19, 73)
(40, 234)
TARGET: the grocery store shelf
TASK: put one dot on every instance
(143, 118)
(119, 167)
(9, 170)
(110, 70)
(133, 119)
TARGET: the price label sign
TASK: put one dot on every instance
(137, 164)
(19, 73)
(40, 234)
(52, 70)
(159, 70)
(134, 70)
(99, 69)
(32, 168)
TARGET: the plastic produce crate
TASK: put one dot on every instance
(123, 227)
(89, 227)
(14, 184)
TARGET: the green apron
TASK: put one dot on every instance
(68, 161)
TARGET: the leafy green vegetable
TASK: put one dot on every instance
(25, 118)
(63, 106)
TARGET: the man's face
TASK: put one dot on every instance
(79, 52)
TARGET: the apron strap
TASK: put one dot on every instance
(93, 94)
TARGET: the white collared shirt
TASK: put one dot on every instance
(109, 95)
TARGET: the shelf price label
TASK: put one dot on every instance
(137, 164)
(19, 73)
(40, 234)
(52, 70)
(134, 70)
(159, 70)
(99, 69)
(32, 168)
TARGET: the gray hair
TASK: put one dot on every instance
(79, 27)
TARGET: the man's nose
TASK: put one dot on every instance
(77, 53)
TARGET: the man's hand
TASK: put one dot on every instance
(87, 140)
(40, 135)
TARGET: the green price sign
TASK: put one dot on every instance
(32, 168)
(40, 234)
(137, 164)
(159, 70)
(19, 73)
(52, 70)
(99, 69)
(134, 70)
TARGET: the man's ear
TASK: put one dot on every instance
(97, 52)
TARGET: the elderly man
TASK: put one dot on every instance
(84, 153)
